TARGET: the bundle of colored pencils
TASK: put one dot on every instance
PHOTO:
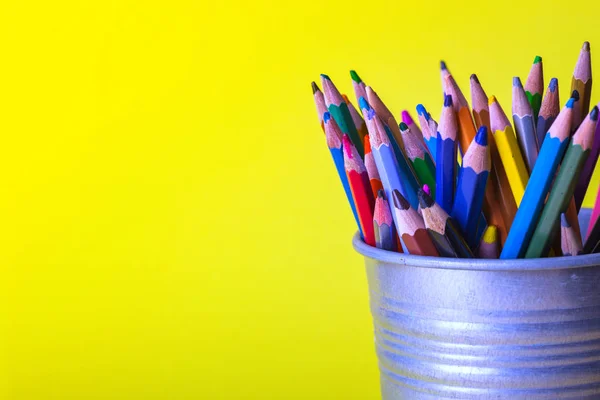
(474, 184)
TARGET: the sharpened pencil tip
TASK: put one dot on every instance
(363, 103)
(326, 117)
(381, 194)
(355, 76)
(325, 77)
(491, 100)
(575, 95)
(594, 114)
(403, 126)
(399, 200)
(406, 118)
(443, 65)
(422, 111)
(426, 189)
(474, 78)
(482, 137)
(315, 88)
(491, 234)
(370, 114)
(425, 200)
(570, 103)
(537, 59)
(586, 46)
(564, 221)
(447, 100)
(347, 144)
(553, 85)
(517, 82)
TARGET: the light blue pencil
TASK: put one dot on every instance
(550, 155)
(334, 134)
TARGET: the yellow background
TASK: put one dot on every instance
(172, 226)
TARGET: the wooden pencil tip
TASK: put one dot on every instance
(491, 234)
(346, 99)
(399, 200)
(425, 200)
(492, 100)
(482, 137)
(474, 78)
(517, 82)
(381, 194)
(553, 85)
(443, 66)
(594, 114)
(406, 118)
(355, 76)
(363, 104)
(426, 189)
(347, 144)
(564, 221)
(315, 88)
(326, 117)
(422, 111)
(325, 77)
(570, 103)
(403, 127)
(537, 59)
(586, 46)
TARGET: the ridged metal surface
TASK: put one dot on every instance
(499, 329)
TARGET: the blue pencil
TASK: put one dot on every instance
(333, 134)
(552, 151)
(445, 161)
(470, 191)
(429, 130)
(383, 154)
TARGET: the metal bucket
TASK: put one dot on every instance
(485, 329)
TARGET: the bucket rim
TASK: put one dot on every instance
(475, 264)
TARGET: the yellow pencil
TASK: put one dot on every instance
(507, 145)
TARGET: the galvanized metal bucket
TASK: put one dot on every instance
(485, 329)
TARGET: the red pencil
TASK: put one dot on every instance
(361, 189)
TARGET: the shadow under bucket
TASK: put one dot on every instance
(485, 329)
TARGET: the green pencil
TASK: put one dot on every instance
(564, 186)
(419, 157)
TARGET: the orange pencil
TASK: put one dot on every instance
(361, 189)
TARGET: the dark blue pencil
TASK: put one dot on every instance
(445, 175)
(470, 191)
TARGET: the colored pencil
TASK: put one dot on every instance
(524, 124)
(488, 247)
(371, 167)
(563, 187)
(592, 242)
(358, 85)
(429, 130)
(412, 229)
(359, 122)
(507, 146)
(419, 157)
(408, 120)
(570, 243)
(595, 213)
(339, 111)
(587, 171)
(537, 189)
(534, 86)
(442, 229)
(333, 135)
(472, 181)
(466, 131)
(382, 153)
(445, 173)
(320, 103)
(444, 72)
(361, 189)
(582, 82)
(383, 224)
(407, 175)
(479, 101)
(548, 111)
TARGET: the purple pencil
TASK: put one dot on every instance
(587, 170)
